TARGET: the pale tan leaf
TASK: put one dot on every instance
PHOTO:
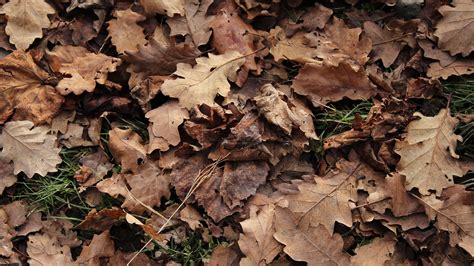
(45, 250)
(294, 48)
(32, 149)
(257, 242)
(166, 119)
(127, 148)
(163, 7)
(125, 34)
(314, 245)
(428, 157)
(200, 84)
(457, 68)
(26, 20)
(376, 252)
(455, 29)
(7, 178)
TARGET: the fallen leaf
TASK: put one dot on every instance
(386, 43)
(32, 149)
(165, 121)
(377, 252)
(194, 23)
(127, 148)
(7, 178)
(428, 157)
(102, 220)
(200, 84)
(224, 256)
(323, 84)
(93, 168)
(430, 50)
(423, 88)
(314, 245)
(44, 250)
(457, 68)
(100, 246)
(163, 7)
(456, 27)
(24, 92)
(26, 21)
(125, 34)
(191, 216)
(256, 241)
(84, 72)
(294, 48)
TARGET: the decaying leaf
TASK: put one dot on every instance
(200, 84)
(163, 7)
(455, 29)
(44, 250)
(428, 157)
(165, 121)
(7, 178)
(323, 84)
(127, 148)
(386, 44)
(257, 242)
(194, 23)
(313, 245)
(32, 149)
(125, 34)
(26, 21)
(100, 246)
(24, 92)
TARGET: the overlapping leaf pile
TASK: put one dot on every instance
(228, 92)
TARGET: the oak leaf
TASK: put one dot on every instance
(24, 92)
(386, 43)
(457, 68)
(294, 48)
(376, 252)
(455, 29)
(163, 7)
(428, 157)
(84, 72)
(194, 24)
(32, 149)
(127, 148)
(125, 34)
(100, 246)
(7, 178)
(256, 241)
(165, 121)
(200, 84)
(42, 249)
(323, 84)
(314, 245)
(26, 20)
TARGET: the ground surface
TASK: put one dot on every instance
(236, 132)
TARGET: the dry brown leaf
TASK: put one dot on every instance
(423, 88)
(200, 84)
(457, 68)
(84, 72)
(224, 256)
(100, 246)
(24, 92)
(93, 168)
(102, 220)
(257, 242)
(278, 112)
(455, 29)
(431, 51)
(194, 23)
(191, 216)
(125, 34)
(32, 149)
(386, 44)
(428, 157)
(165, 121)
(26, 21)
(294, 48)
(163, 7)
(323, 84)
(127, 148)
(377, 252)
(45, 250)
(316, 17)
(160, 55)
(7, 178)
(314, 245)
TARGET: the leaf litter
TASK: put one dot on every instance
(236, 132)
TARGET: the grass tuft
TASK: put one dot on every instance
(191, 251)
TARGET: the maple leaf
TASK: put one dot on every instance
(125, 34)
(428, 157)
(257, 242)
(26, 21)
(166, 120)
(313, 245)
(163, 7)
(200, 84)
(24, 91)
(323, 84)
(32, 149)
(455, 29)
(85, 71)
(194, 25)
